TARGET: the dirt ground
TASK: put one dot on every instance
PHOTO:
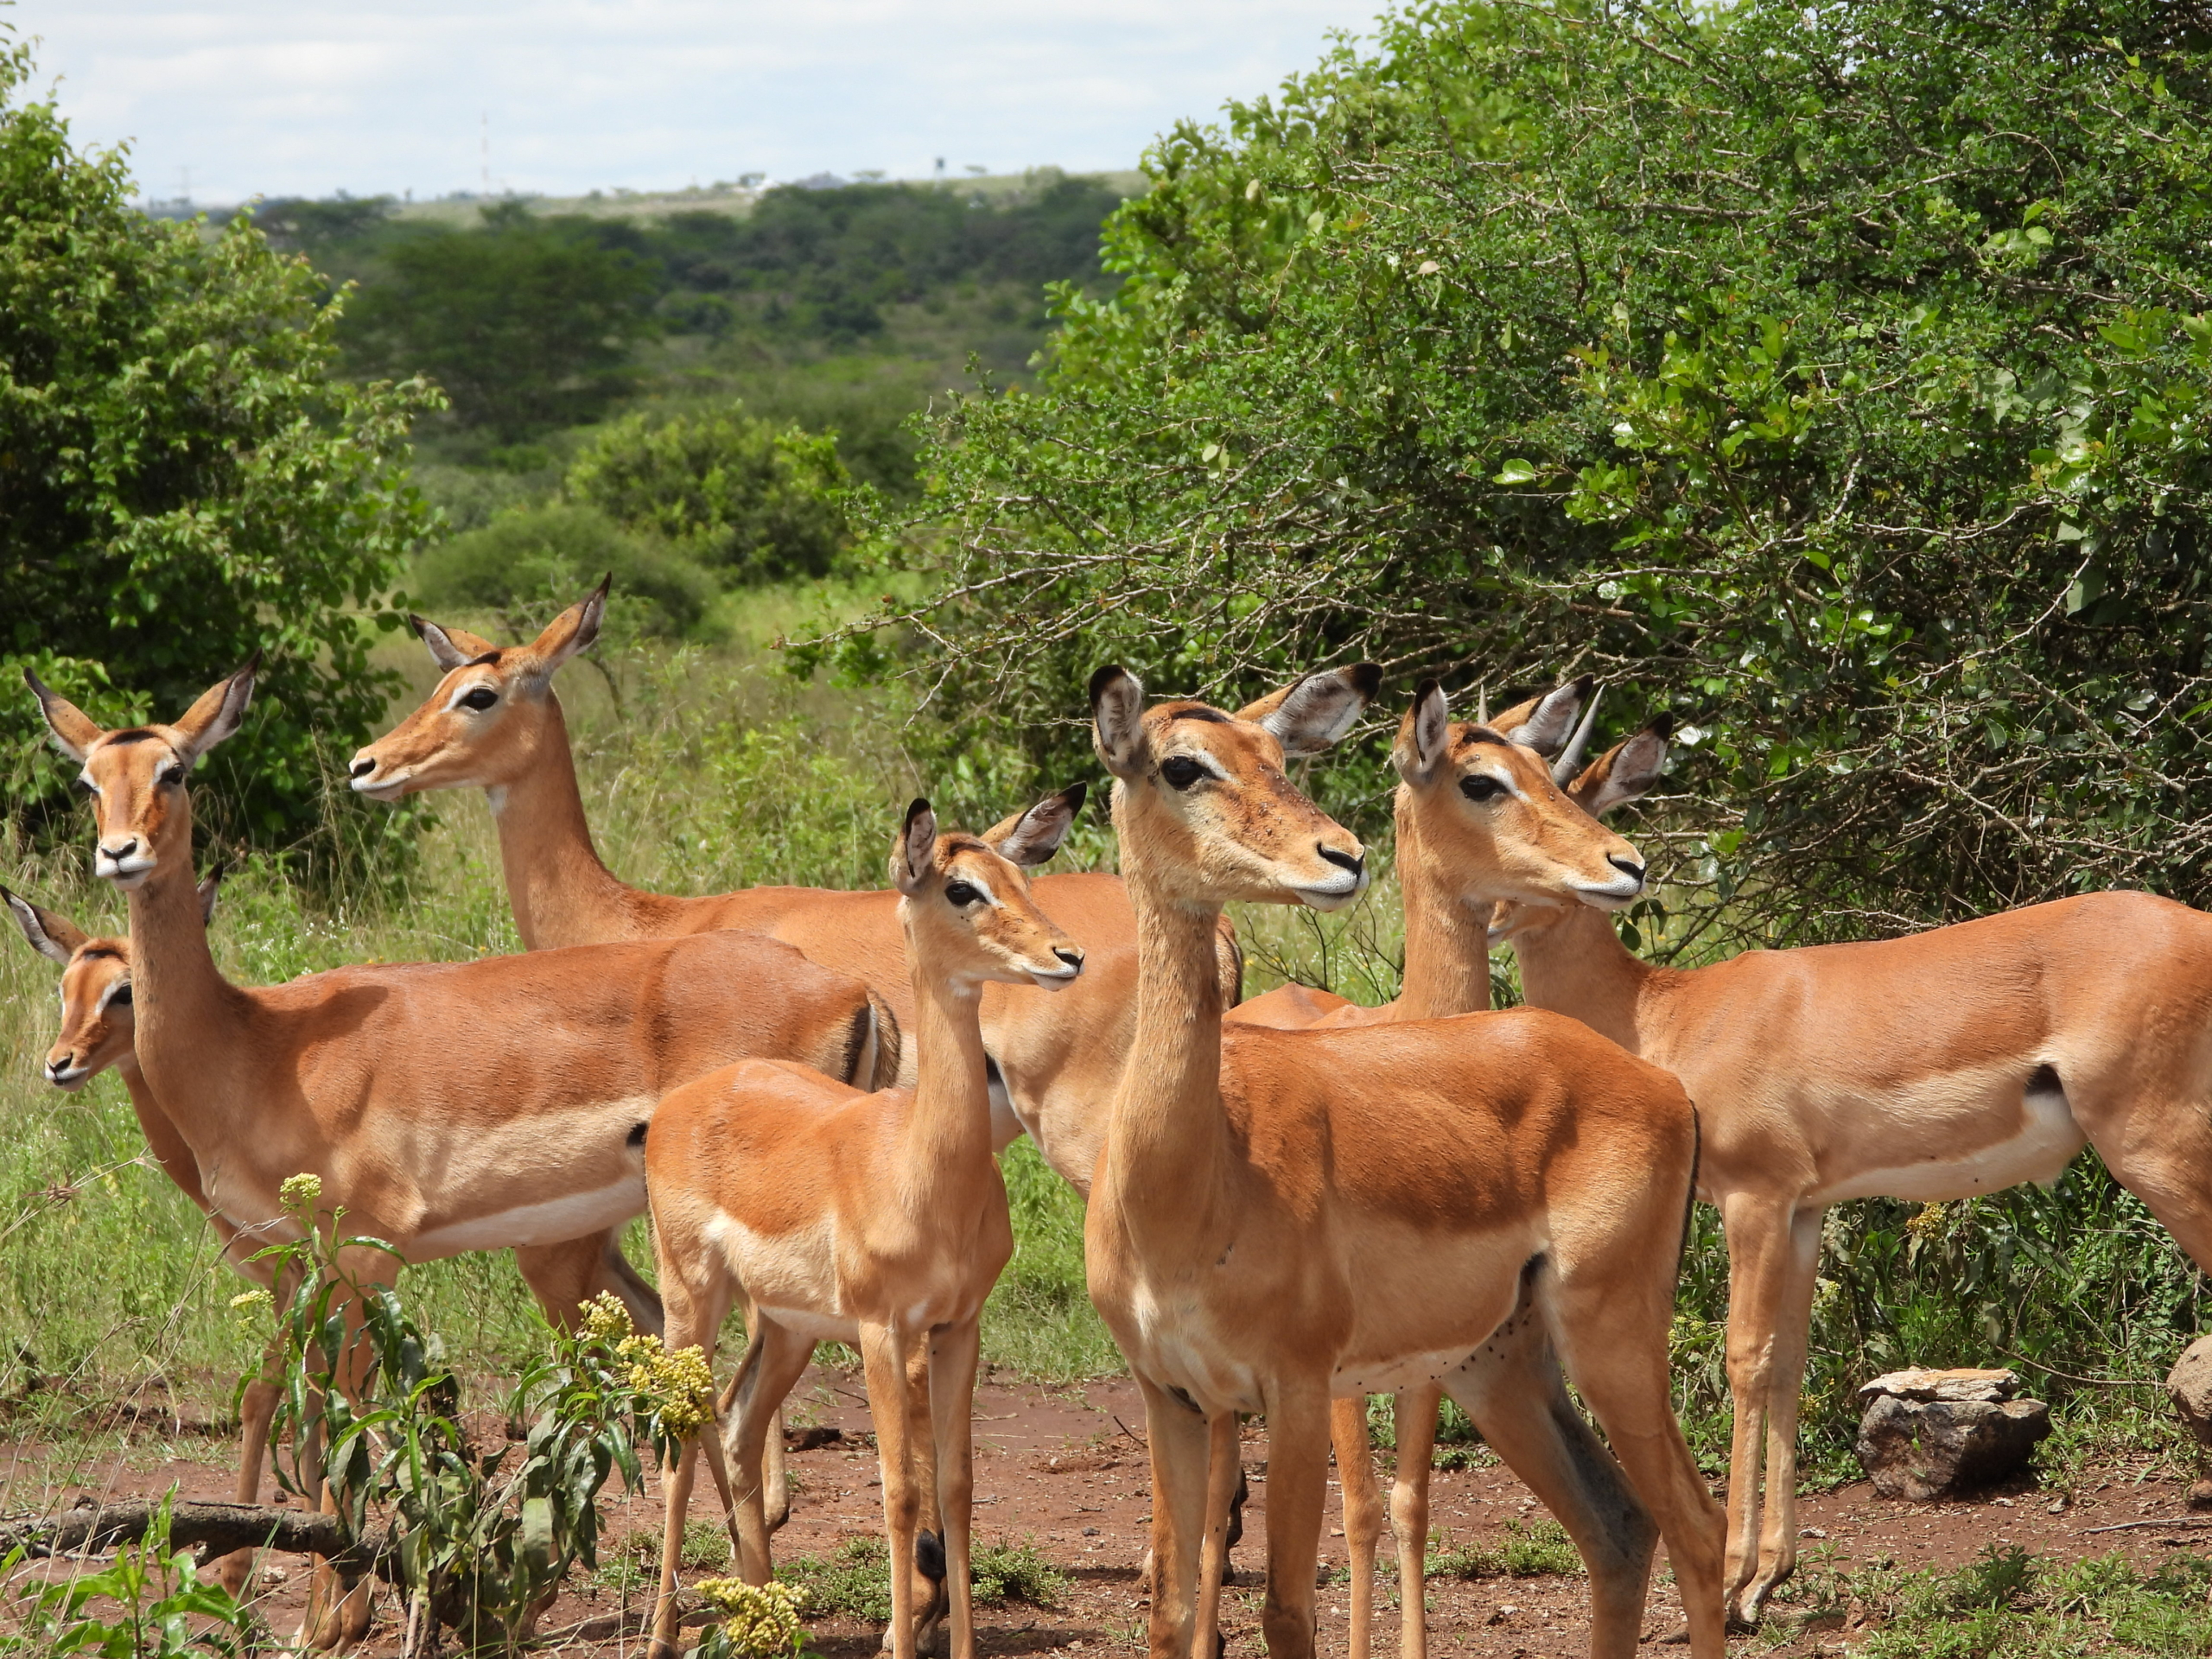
(1064, 1469)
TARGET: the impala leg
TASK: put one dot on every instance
(1513, 1391)
(256, 1409)
(1415, 1414)
(1225, 1465)
(884, 1351)
(1298, 1486)
(1176, 1438)
(949, 1377)
(774, 1361)
(775, 1477)
(338, 1610)
(1792, 1332)
(1362, 1513)
(696, 1290)
(928, 1565)
(1758, 1231)
(1610, 1325)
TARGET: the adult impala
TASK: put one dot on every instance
(494, 723)
(1939, 1066)
(878, 1220)
(98, 1031)
(1283, 1217)
(1543, 849)
(446, 1107)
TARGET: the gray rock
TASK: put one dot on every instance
(1930, 1434)
(2188, 1385)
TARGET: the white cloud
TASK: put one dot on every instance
(273, 97)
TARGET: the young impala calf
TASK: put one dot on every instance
(878, 1220)
(98, 1031)
(1285, 1216)
(446, 1107)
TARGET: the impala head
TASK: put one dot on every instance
(1488, 817)
(135, 776)
(1201, 798)
(98, 1027)
(480, 727)
(1630, 769)
(966, 904)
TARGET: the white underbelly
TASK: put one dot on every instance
(2047, 1140)
(548, 1221)
(1388, 1376)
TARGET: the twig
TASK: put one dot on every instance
(1131, 1433)
(217, 1528)
(2192, 1521)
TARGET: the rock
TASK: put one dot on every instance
(2200, 1496)
(2188, 1385)
(1929, 1434)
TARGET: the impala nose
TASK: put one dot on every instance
(1073, 959)
(1343, 860)
(1631, 867)
(117, 851)
(362, 767)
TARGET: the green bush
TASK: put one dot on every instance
(753, 503)
(526, 566)
(182, 481)
(1834, 376)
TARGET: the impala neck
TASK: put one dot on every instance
(182, 1007)
(1167, 1131)
(1447, 939)
(948, 1131)
(1577, 965)
(560, 893)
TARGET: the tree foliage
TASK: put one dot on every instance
(749, 501)
(1835, 377)
(527, 323)
(181, 479)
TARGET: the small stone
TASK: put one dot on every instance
(2200, 1495)
(1925, 1441)
(2188, 1385)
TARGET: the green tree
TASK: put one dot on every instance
(751, 502)
(182, 481)
(1835, 376)
(528, 323)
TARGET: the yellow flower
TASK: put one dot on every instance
(300, 1191)
(251, 1298)
(1930, 1222)
(758, 1620)
(606, 1319)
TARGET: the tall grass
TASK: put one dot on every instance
(707, 771)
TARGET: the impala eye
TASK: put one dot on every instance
(1180, 771)
(1481, 787)
(171, 774)
(480, 699)
(960, 893)
(122, 997)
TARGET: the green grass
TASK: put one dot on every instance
(1532, 1549)
(854, 1581)
(2006, 1603)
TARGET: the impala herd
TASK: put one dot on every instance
(1294, 1202)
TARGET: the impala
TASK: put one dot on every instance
(1544, 849)
(1940, 1065)
(878, 1220)
(1281, 1217)
(97, 1032)
(446, 1107)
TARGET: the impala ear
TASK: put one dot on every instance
(912, 853)
(1626, 772)
(1546, 727)
(450, 648)
(50, 934)
(219, 710)
(1033, 836)
(1117, 719)
(1424, 735)
(1312, 714)
(574, 629)
(210, 885)
(74, 731)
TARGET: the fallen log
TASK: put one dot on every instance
(213, 1529)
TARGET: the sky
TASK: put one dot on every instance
(240, 97)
